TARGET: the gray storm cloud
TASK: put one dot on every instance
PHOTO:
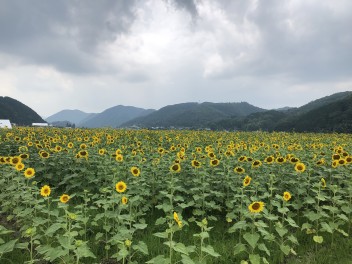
(171, 51)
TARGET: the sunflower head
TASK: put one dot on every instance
(300, 167)
(214, 162)
(64, 198)
(196, 164)
(135, 171)
(121, 187)
(246, 181)
(256, 163)
(256, 207)
(176, 167)
(44, 154)
(239, 170)
(19, 166)
(45, 191)
(286, 196)
(124, 200)
(119, 158)
(29, 173)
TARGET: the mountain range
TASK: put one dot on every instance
(328, 114)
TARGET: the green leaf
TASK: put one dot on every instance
(160, 221)
(187, 260)
(293, 239)
(343, 217)
(8, 246)
(140, 226)
(202, 235)
(23, 245)
(306, 226)
(239, 248)
(179, 247)
(291, 222)
(236, 226)
(158, 260)
(263, 247)
(281, 230)
(318, 239)
(252, 239)
(64, 242)
(261, 224)
(84, 251)
(210, 250)
(285, 249)
(313, 216)
(342, 232)
(141, 247)
(254, 258)
(161, 235)
(123, 253)
(326, 227)
(4, 231)
(54, 253)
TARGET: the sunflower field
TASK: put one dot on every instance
(140, 196)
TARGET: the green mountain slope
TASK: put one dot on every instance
(115, 116)
(331, 117)
(193, 115)
(18, 112)
(320, 102)
(330, 113)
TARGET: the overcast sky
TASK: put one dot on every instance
(92, 55)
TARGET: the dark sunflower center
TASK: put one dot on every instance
(255, 206)
(175, 167)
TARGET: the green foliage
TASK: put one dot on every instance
(17, 112)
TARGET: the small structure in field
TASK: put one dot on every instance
(40, 124)
(5, 123)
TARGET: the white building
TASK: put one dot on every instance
(40, 124)
(5, 123)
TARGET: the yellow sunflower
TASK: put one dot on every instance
(300, 167)
(135, 171)
(286, 196)
(29, 173)
(44, 154)
(256, 164)
(45, 191)
(175, 167)
(121, 187)
(15, 160)
(256, 207)
(119, 158)
(19, 166)
(64, 198)
(196, 164)
(124, 200)
(239, 170)
(214, 162)
(246, 181)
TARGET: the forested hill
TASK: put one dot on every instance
(18, 112)
(193, 115)
(328, 114)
